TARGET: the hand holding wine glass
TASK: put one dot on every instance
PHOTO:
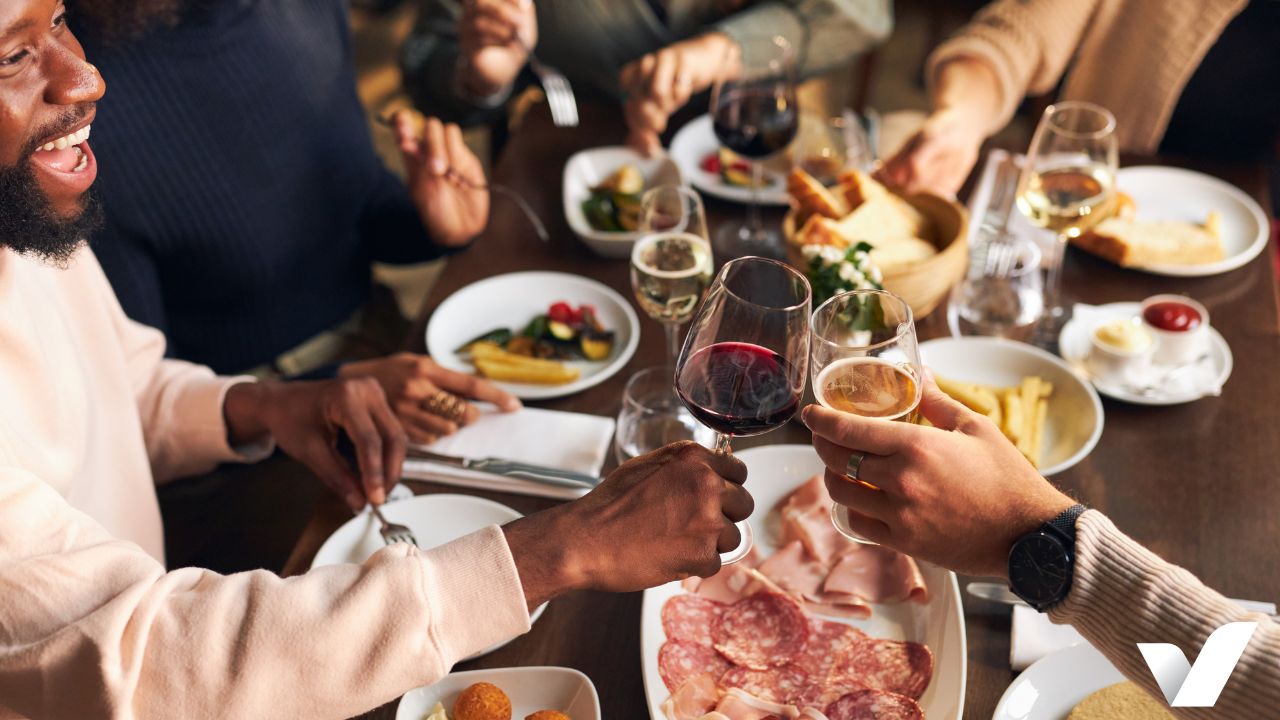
(742, 369)
(866, 362)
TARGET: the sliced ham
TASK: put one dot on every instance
(696, 697)
(739, 705)
(731, 584)
(793, 570)
(876, 574)
(813, 529)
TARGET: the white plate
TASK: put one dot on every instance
(589, 168)
(1056, 683)
(511, 301)
(530, 688)
(1074, 344)
(434, 520)
(697, 140)
(1075, 419)
(1165, 193)
(774, 471)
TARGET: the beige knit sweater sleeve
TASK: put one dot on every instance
(93, 627)
(1123, 594)
(1028, 43)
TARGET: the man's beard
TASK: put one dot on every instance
(30, 226)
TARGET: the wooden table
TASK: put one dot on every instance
(1197, 483)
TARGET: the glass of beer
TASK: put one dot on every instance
(865, 360)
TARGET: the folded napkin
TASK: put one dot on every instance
(1199, 379)
(1034, 636)
(562, 440)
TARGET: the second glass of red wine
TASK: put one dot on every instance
(754, 113)
(743, 366)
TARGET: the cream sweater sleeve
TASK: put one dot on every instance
(1124, 594)
(91, 626)
(1027, 43)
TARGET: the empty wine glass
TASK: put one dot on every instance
(742, 369)
(754, 114)
(1004, 295)
(652, 416)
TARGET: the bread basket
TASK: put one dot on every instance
(925, 284)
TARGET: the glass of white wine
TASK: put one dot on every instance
(865, 360)
(1068, 183)
(671, 265)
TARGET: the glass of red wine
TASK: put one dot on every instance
(743, 366)
(755, 114)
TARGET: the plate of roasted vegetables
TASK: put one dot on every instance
(536, 334)
(602, 191)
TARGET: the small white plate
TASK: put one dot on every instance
(1075, 418)
(530, 688)
(589, 168)
(1056, 683)
(696, 141)
(1165, 193)
(511, 301)
(773, 472)
(1074, 345)
(434, 520)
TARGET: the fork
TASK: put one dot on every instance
(391, 532)
(560, 97)
(458, 178)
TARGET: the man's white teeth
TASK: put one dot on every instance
(84, 160)
(67, 141)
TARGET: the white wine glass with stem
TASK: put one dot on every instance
(1068, 183)
(671, 264)
(743, 366)
(866, 362)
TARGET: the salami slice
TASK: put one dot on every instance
(690, 618)
(827, 642)
(679, 660)
(874, 705)
(904, 668)
(777, 685)
(762, 631)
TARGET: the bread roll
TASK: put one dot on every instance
(859, 187)
(812, 197)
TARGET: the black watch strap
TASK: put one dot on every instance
(1065, 523)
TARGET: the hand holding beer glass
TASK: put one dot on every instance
(865, 361)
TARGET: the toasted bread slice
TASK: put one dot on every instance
(1153, 242)
(859, 187)
(812, 197)
(888, 217)
(819, 230)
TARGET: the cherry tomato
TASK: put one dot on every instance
(711, 164)
(561, 312)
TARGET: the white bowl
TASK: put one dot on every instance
(1074, 423)
(1107, 361)
(589, 168)
(530, 688)
(1178, 347)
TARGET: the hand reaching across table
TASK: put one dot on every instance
(446, 179)
(660, 83)
(659, 517)
(430, 401)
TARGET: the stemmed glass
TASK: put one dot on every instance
(866, 361)
(742, 369)
(1067, 184)
(671, 265)
(755, 114)
(1003, 296)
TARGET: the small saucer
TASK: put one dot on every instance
(1074, 346)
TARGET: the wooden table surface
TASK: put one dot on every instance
(1197, 483)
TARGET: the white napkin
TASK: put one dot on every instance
(1034, 636)
(562, 440)
(1200, 379)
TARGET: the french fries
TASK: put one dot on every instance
(497, 364)
(1020, 411)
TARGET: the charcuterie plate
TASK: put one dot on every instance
(776, 473)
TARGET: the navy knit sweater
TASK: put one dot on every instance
(244, 199)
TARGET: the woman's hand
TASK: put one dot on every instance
(957, 494)
(445, 178)
(660, 83)
(938, 157)
(429, 400)
(494, 35)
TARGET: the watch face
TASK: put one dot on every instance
(1040, 568)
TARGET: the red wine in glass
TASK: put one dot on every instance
(755, 122)
(738, 389)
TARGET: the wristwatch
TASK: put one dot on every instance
(1042, 562)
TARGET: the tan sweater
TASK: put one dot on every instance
(1133, 57)
(91, 625)
(1124, 594)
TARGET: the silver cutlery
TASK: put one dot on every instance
(993, 592)
(560, 98)
(1156, 386)
(391, 532)
(511, 469)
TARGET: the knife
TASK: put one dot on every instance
(510, 468)
(993, 592)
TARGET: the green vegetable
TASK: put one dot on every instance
(601, 213)
(497, 336)
(627, 211)
(560, 331)
(537, 327)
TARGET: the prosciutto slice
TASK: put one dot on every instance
(876, 574)
(695, 698)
